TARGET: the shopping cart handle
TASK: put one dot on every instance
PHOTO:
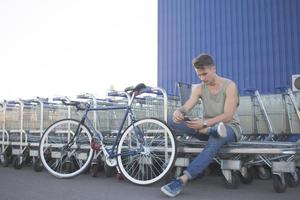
(250, 90)
(10, 105)
(43, 99)
(112, 93)
(147, 90)
(282, 88)
(68, 102)
(59, 99)
(116, 94)
(82, 96)
(49, 104)
(13, 102)
(85, 96)
(108, 100)
(28, 101)
(64, 100)
(151, 90)
(101, 100)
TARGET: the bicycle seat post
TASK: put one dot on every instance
(134, 94)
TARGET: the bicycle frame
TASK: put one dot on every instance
(85, 120)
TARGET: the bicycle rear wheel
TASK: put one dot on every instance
(59, 157)
(147, 151)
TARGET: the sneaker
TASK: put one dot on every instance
(173, 188)
(222, 131)
(218, 130)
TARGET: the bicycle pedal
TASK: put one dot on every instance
(96, 144)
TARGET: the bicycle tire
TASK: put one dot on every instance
(158, 155)
(62, 162)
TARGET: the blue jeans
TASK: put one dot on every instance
(182, 127)
(203, 159)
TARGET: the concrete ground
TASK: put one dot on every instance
(25, 184)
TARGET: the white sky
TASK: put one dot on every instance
(66, 47)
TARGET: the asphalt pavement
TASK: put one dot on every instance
(26, 184)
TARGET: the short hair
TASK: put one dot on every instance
(202, 61)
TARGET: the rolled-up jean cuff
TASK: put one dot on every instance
(188, 174)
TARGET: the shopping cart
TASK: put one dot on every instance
(5, 153)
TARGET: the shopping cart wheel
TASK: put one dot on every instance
(4, 160)
(291, 180)
(263, 173)
(37, 165)
(17, 162)
(234, 182)
(87, 170)
(68, 166)
(26, 157)
(94, 169)
(97, 165)
(249, 177)
(279, 184)
(6, 157)
(109, 171)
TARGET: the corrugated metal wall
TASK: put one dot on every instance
(254, 42)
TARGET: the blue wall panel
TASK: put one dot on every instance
(254, 42)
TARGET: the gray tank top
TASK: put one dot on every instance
(213, 105)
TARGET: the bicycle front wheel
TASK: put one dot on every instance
(146, 151)
(63, 153)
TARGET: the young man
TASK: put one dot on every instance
(220, 121)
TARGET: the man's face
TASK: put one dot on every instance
(207, 75)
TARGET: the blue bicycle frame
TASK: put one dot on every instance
(98, 134)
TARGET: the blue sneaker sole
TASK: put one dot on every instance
(166, 192)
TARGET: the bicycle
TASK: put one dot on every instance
(144, 152)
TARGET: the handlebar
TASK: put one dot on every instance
(67, 102)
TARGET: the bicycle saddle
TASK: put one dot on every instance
(136, 89)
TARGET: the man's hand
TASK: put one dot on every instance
(195, 123)
(203, 131)
(178, 116)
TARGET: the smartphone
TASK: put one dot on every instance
(186, 119)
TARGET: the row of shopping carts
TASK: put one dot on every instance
(268, 147)
(23, 122)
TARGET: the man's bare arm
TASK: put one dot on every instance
(188, 105)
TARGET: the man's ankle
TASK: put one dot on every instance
(184, 179)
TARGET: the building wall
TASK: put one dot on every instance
(254, 42)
